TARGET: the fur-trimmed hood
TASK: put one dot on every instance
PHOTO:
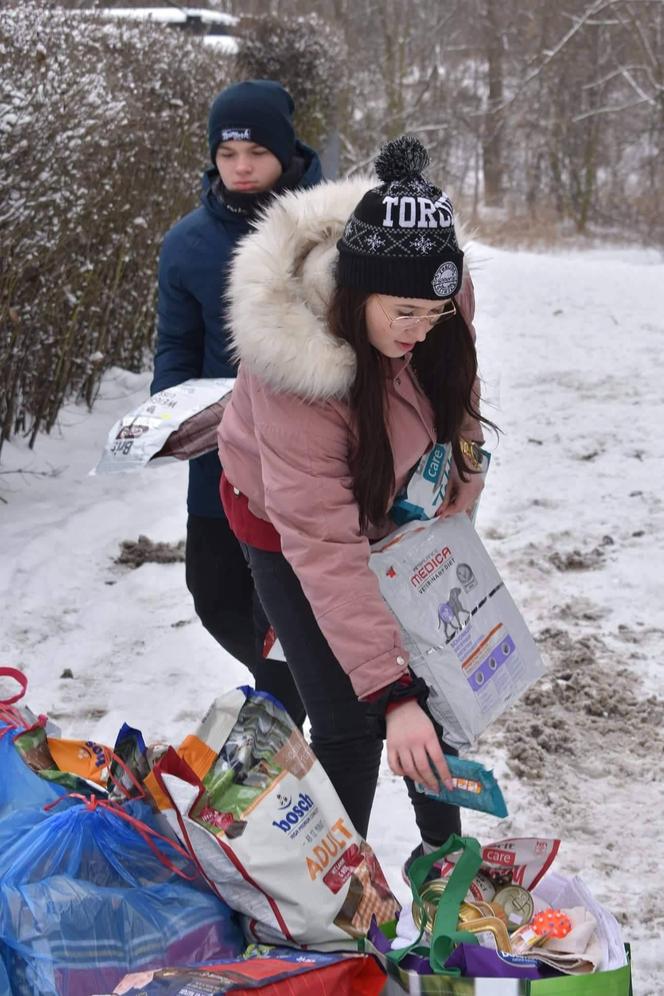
(279, 288)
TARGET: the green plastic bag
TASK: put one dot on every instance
(445, 935)
(400, 980)
(618, 982)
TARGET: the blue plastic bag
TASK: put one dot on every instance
(84, 899)
(5, 989)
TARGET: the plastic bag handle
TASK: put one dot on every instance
(130, 774)
(146, 832)
(444, 934)
(12, 672)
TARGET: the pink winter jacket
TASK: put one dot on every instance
(286, 434)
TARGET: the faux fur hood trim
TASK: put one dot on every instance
(280, 284)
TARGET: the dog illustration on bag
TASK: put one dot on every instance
(450, 613)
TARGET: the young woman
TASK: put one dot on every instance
(355, 357)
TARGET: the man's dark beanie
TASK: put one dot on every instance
(257, 111)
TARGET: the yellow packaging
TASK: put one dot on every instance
(198, 756)
(85, 758)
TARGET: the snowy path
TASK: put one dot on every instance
(572, 349)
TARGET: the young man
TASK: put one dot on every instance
(255, 156)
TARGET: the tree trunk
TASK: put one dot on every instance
(492, 153)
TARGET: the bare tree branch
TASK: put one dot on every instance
(637, 89)
(357, 167)
(579, 22)
(636, 26)
(609, 110)
(612, 75)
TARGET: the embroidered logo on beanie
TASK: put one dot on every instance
(236, 135)
(400, 239)
(445, 280)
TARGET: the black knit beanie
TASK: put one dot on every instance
(400, 238)
(257, 111)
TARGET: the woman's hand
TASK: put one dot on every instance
(413, 746)
(461, 495)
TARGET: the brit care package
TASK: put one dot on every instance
(464, 634)
(427, 486)
(425, 490)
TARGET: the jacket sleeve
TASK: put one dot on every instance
(309, 500)
(471, 428)
(180, 326)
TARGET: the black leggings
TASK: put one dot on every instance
(226, 603)
(341, 737)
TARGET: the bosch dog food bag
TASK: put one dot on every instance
(249, 798)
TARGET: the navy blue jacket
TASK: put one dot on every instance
(191, 336)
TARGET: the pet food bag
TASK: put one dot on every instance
(512, 861)
(450, 958)
(86, 758)
(265, 971)
(251, 801)
(427, 486)
(179, 423)
(464, 634)
(425, 490)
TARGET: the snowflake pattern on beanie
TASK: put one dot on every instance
(400, 239)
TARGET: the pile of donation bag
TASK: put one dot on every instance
(96, 886)
(228, 864)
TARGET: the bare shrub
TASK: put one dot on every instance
(102, 130)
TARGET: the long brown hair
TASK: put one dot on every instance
(445, 365)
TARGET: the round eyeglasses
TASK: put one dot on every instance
(407, 323)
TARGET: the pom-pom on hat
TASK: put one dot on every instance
(400, 239)
(259, 111)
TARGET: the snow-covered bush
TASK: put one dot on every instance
(102, 139)
(306, 54)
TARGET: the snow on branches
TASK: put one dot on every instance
(102, 138)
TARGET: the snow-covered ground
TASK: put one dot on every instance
(572, 352)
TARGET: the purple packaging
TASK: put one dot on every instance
(477, 962)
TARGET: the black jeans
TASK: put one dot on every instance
(344, 741)
(226, 603)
